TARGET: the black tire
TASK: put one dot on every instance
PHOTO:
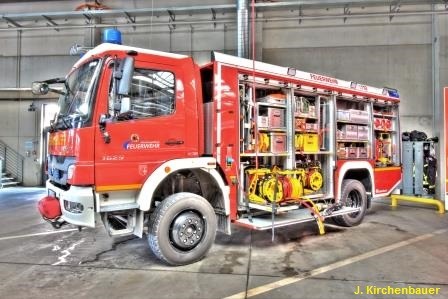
(182, 229)
(353, 194)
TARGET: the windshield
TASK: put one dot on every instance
(75, 105)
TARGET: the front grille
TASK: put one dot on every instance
(57, 168)
(60, 159)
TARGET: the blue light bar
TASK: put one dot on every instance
(112, 35)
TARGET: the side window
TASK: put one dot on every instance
(152, 94)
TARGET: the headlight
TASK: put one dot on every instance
(73, 207)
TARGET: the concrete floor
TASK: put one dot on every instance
(88, 264)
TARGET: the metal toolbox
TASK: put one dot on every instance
(363, 133)
(344, 115)
(276, 117)
(362, 153)
(359, 116)
(277, 143)
(350, 131)
(275, 98)
(311, 127)
(347, 152)
(263, 121)
(352, 152)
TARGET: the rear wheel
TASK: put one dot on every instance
(353, 195)
(182, 229)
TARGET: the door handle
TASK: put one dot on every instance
(174, 142)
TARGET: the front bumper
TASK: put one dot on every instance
(79, 196)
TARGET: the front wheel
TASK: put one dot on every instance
(182, 229)
(353, 195)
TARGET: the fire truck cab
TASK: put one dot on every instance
(149, 142)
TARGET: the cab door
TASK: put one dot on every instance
(151, 131)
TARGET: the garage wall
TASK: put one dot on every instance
(20, 129)
(375, 51)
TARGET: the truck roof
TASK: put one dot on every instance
(313, 79)
(107, 47)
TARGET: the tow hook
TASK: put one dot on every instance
(57, 223)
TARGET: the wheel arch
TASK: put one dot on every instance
(212, 185)
(361, 171)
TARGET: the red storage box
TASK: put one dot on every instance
(359, 116)
(276, 117)
(277, 143)
(362, 153)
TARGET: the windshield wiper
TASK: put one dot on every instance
(62, 123)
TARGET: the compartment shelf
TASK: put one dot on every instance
(384, 115)
(282, 130)
(339, 158)
(352, 140)
(263, 154)
(385, 131)
(352, 122)
(307, 131)
(306, 117)
(314, 153)
(275, 105)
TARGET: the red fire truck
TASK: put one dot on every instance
(153, 144)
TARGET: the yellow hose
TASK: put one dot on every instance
(317, 215)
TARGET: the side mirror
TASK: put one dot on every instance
(39, 88)
(126, 71)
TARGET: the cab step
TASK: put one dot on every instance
(119, 207)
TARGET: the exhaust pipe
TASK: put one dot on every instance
(242, 7)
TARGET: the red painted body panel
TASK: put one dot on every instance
(63, 143)
(139, 146)
(229, 145)
(339, 164)
(386, 179)
(75, 143)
